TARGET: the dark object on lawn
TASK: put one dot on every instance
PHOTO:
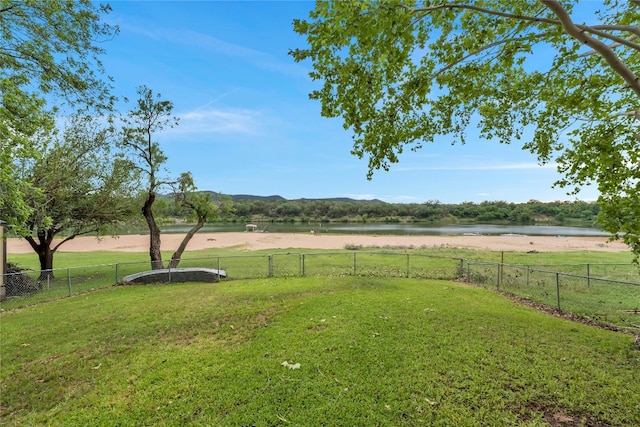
(17, 283)
(176, 275)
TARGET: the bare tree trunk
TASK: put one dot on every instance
(154, 233)
(175, 258)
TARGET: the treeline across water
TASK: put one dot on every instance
(278, 210)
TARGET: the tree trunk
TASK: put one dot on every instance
(45, 254)
(175, 258)
(154, 233)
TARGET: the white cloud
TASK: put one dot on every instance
(225, 121)
(210, 45)
(194, 38)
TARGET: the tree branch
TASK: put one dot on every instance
(486, 11)
(591, 29)
(55, 248)
(618, 41)
(7, 9)
(479, 50)
(613, 45)
(605, 51)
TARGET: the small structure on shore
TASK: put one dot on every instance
(251, 227)
(176, 275)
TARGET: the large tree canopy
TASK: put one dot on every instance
(49, 55)
(77, 186)
(558, 77)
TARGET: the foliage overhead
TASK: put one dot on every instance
(405, 73)
(49, 58)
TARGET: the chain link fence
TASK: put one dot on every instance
(30, 286)
(608, 293)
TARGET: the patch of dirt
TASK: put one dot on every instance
(562, 417)
(564, 314)
(558, 419)
(555, 312)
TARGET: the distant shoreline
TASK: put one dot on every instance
(250, 241)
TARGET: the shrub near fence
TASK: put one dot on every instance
(30, 286)
(607, 293)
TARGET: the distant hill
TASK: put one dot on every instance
(343, 199)
(240, 197)
(245, 197)
(276, 208)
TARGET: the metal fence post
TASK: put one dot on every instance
(407, 266)
(354, 264)
(498, 278)
(558, 289)
(468, 272)
(588, 275)
(302, 265)
(69, 280)
(117, 275)
(269, 265)
(528, 272)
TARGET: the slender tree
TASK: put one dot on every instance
(141, 125)
(402, 73)
(201, 207)
(152, 116)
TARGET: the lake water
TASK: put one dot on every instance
(403, 229)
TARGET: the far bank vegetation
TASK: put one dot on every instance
(278, 210)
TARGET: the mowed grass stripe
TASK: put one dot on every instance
(372, 351)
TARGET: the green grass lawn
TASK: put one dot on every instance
(371, 351)
(613, 303)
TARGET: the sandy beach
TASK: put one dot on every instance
(249, 241)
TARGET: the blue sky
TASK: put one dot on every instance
(247, 125)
